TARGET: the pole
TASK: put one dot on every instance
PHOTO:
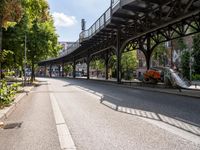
(88, 66)
(74, 68)
(118, 52)
(63, 66)
(106, 64)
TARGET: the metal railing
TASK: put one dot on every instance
(69, 50)
(96, 27)
(114, 3)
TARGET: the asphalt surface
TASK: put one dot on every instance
(103, 117)
(38, 130)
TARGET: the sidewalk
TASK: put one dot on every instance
(5, 112)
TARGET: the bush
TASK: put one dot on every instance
(9, 73)
(7, 92)
(196, 77)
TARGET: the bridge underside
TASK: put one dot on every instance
(135, 24)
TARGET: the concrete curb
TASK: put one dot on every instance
(5, 112)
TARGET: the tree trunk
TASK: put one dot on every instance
(21, 68)
(32, 71)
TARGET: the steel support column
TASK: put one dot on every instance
(119, 53)
(63, 65)
(148, 53)
(45, 70)
(88, 66)
(106, 64)
(59, 71)
(148, 58)
(50, 70)
(74, 68)
(147, 50)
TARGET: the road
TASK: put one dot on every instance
(102, 117)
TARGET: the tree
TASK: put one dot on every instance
(42, 37)
(185, 58)
(14, 40)
(6, 57)
(37, 24)
(10, 11)
(129, 63)
(98, 65)
(160, 54)
(42, 42)
(185, 64)
(113, 65)
(68, 69)
(181, 44)
(196, 53)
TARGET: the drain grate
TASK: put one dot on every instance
(13, 125)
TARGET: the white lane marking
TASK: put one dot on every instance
(66, 142)
(65, 139)
(161, 124)
(57, 113)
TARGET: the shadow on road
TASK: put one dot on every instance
(176, 122)
(178, 111)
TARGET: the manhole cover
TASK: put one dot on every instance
(13, 125)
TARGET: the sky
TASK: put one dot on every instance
(67, 16)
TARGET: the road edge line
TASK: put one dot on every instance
(65, 138)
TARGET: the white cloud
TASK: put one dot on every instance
(62, 20)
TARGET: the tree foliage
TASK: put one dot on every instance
(97, 64)
(36, 23)
(10, 11)
(181, 44)
(185, 57)
(113, 65)
(129, 63)
(160, 54)
(185, 64)
(196, 53)
(68, 68)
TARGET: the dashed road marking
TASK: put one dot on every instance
(166, 123)
(184, 134)
(150, 117)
